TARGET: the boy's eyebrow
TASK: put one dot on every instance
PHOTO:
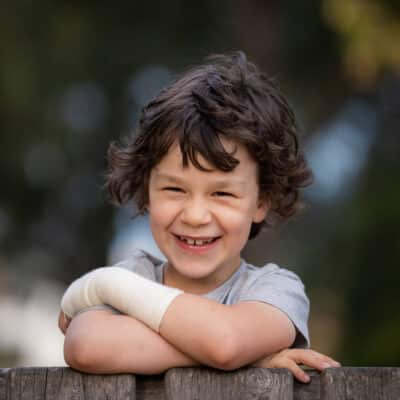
(163, 175)
(221, 183)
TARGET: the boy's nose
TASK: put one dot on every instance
(196, 213)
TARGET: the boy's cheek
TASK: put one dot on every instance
(162, 216)
(160, 207)
(235, 218)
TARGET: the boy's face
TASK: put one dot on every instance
(201, 220)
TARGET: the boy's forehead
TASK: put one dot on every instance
(237, 150)
(172, 168)
(175, 157)
(220, 180)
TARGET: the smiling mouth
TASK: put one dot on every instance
(196, 242)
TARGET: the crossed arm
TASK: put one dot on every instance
(105, 343)
(193, 331)
(224, 337)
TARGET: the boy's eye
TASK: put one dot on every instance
(173, 189)
(224, 194)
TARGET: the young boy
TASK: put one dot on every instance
(216, 156)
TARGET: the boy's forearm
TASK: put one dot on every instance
(223, 336)
(200, 327)
(103, 343)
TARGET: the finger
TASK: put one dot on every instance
(328, 361)
(313, 359)
(332, 361)
(286, 362)
(61, 321)
(67, 321)
(298, 373)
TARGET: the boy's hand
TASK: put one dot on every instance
(63, 322)
(292, 358)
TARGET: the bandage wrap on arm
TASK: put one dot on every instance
(124, 290)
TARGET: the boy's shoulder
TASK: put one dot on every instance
(268, 272)
(279, 287)
(252, 279)
(277, 284)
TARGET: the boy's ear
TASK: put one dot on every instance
(261, 211)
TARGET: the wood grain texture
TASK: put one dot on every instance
(65, 383)
(243, 384)
(150, 387)
(308, 391)
(115, 387)
(200, 384)
(26, 383)
(3, 383)
(360, 384)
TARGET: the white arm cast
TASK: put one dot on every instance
(124, 290)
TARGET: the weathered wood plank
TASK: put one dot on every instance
(150, 387)
(308, 391)
(3, 383)
(65, 383)
(115, 387)
(200, 383)
(360, 384)
(243, 384)
(27, 383)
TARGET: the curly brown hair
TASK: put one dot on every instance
(226, 97)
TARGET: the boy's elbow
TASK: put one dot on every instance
(225, 354)
(78, 355)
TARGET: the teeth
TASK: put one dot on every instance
(195, 242)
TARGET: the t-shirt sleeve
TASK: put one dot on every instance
(142, 263)
(284, 290)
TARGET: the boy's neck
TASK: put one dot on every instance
(194, 286)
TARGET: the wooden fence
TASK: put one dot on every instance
(199, 384)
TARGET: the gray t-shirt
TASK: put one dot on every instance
(269, 284)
